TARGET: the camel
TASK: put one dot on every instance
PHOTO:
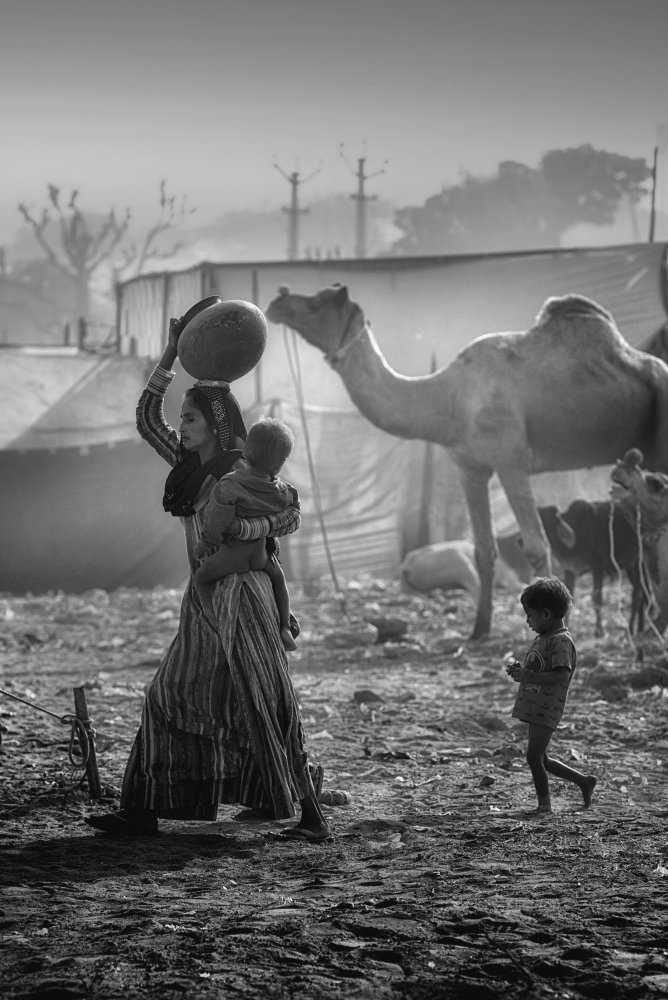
(568, 393)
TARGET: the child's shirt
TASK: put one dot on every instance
(241, 493)
(544, 704)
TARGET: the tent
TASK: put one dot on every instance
(80, 496)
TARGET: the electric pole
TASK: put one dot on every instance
(293, 210)
(652, 211)
(362, 199)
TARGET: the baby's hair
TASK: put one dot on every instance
(268, 444)
(547, 593)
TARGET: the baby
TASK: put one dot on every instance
(250, 491)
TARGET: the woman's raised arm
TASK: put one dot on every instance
(151, 423)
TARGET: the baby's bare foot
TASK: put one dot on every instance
(588, 789)
(287, 640)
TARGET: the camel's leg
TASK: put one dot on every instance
(517, 487)
(597, 600)
(475, 482)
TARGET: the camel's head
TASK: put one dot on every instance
(632, 487)
(323, 319)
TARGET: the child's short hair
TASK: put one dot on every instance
(547, 593)
(268, 444)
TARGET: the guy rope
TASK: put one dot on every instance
(292, 355)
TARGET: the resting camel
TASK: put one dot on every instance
(569, 393)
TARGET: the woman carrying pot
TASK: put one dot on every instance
(220, 723)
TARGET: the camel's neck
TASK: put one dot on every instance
(408, 407)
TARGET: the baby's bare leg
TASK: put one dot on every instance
(274, 571)
(225, 560)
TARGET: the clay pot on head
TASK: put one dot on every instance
(223, 339)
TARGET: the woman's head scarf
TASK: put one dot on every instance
(222, 413)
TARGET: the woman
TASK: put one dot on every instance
(220, 722)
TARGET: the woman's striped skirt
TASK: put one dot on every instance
(220, 722)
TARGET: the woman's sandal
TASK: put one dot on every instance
(304, 835)
(116, 825)
(336, 797)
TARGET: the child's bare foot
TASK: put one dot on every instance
(588, 789)
(287, 640)
(531, 813)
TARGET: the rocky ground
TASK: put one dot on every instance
(435, 885)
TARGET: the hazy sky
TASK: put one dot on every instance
(112, 95)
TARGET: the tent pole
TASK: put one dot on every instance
(255, 295)
(652, 211)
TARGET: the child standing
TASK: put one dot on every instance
(253, 490)
(544, 679)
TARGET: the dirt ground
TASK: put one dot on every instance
(434, 884)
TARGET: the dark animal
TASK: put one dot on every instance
(580, 540)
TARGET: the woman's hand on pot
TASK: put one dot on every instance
(175, 331)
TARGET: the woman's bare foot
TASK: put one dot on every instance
(588, 787)
(287, 640)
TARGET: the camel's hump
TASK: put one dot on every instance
(571, 306)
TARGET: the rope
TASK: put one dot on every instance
(646, 590)
(649, 596)
(79, 732)
(295, 372)
(618, 571)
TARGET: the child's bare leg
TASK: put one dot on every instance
(585, 782)
(539, 739)
(275, 573)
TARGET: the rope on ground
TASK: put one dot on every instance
(292, 354)
(79, 732)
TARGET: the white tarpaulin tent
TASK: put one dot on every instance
(80, 498)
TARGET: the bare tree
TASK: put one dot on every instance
(79, 244)
(78, 250)
(136, 255)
